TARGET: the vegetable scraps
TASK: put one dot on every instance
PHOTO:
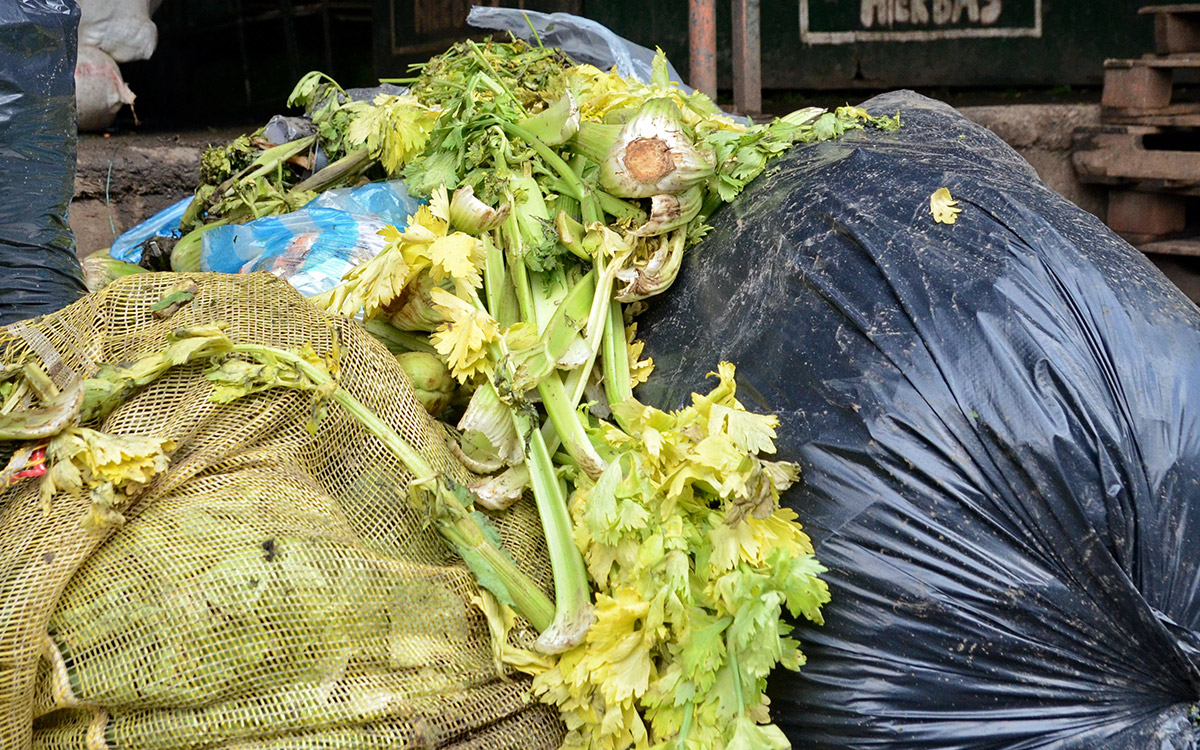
(559, 194)
(560, 197)
(944, 209)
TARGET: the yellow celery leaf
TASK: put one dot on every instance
(390, 233)
(653, 440)
(752, 433)
(753, 539)
(188, 344)
(622, 725)
(391, 128)
(943, 207)
(110, 468)
(500, 620)
(619, 645)
(724, 393)
(369, 287)
(123, 460)
(416, 255)
(423, 226)
(462, 340)
(718, 452)
(439, 204)
(747, 735)
(458, 256)
(714, 463)
(639, 369)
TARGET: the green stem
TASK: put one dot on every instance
(514, 249)
(493, 274)
(618, 208)
(591, 212)
(559, 407)
(461, 528)
(350, 164)
(408, 455)
(495, 80)
(573, 611)
(596, 326)
(685, 727)
(564, 171)
(737, 673)
(566, 423)
(577, 383)
(464, 533)
(398, 341)
(617, 385)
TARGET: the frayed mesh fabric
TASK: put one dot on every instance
(272, 588)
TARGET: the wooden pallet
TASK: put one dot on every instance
(1144, 217)
(1141, 91)
(1135, 90)
(1176, 27)
(1152, 188)
(1189, 246)
(1117, 155)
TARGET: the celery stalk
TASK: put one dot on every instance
(617, 386)
(456, 524)
(573, 600)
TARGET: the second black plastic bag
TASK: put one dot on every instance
(37, 157)
(998, 423)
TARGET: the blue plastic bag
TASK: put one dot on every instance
(165, 223)
(314, 247)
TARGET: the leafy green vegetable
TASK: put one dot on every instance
(560, 194)
(691, 592)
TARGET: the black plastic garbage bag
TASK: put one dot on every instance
(39, 272)
(999, 427)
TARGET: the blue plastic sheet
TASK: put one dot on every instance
(314, 247)
(165, 223)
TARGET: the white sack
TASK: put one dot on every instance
(122, 28)
(100, 92)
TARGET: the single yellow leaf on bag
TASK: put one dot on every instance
(943, 207)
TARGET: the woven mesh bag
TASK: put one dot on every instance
(271, 588)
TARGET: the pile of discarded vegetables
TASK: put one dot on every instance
(559, 197)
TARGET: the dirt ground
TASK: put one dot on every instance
(123, 179)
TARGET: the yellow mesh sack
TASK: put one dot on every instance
(271, 588)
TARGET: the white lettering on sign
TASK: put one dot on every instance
(923, 21)
(890, 13)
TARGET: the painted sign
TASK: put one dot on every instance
(851, 21)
